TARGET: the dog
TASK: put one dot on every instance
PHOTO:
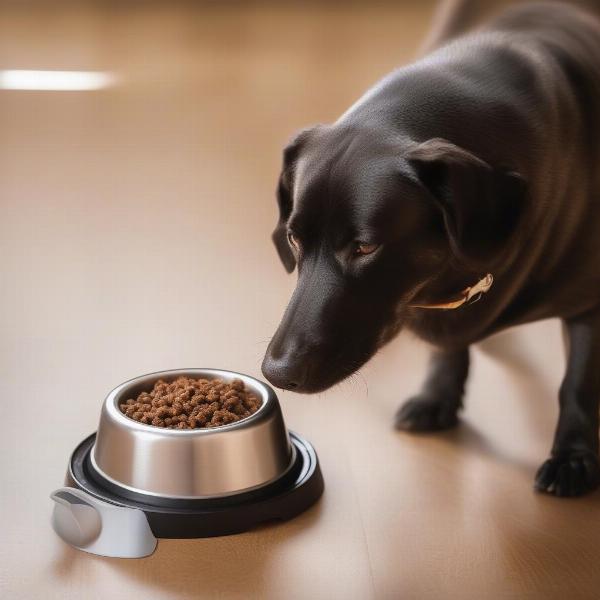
(458, 197)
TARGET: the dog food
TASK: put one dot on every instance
(188, 403)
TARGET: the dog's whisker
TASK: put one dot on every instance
(363, 379)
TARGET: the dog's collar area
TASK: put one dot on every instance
(469, 295)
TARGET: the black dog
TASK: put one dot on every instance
(479, 160)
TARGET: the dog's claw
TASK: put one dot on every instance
(569, 475)
(424, 413)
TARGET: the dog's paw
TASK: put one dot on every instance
(426, 413)
(570, 475)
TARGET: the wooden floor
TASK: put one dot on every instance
(134, 237)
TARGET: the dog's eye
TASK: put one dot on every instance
(293, 240)
(362, 249)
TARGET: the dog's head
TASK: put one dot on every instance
(368, 220)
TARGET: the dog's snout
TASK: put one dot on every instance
(299, 354)
(286, 372)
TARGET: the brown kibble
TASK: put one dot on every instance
(237, 384)
(201, 420)
(192, 404)
(230, 404)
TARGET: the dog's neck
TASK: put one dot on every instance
(469, 295)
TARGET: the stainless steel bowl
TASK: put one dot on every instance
(197, 463)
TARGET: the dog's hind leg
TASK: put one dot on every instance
(573, 466)
(436, 406)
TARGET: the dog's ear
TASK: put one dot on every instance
(285, 201)
(481, 205)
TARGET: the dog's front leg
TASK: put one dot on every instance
(436, 406)
(573, 467)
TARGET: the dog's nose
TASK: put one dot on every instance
(285, 373)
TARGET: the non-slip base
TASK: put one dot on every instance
(282, 499)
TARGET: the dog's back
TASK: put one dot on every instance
(453, 18)
(565, 43)
(524, 92)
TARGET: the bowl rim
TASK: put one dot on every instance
(265, 391)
